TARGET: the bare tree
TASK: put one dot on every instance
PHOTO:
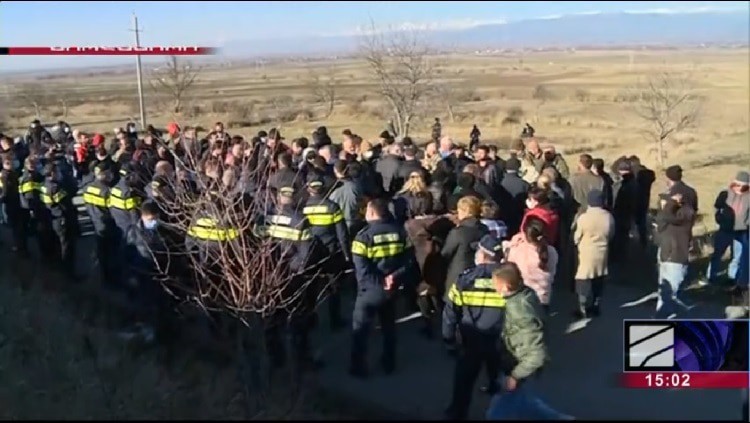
(323, 88)
(542, 95)
(242, 274)
(451, 93)
(33, 95)
(174, 79)
(667, 103)
(399, 62)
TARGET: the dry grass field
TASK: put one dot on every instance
(44, 348)
(585, 104)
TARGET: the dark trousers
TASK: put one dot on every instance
(105, 245)
(589, 293)
(65, 244)
(641, 224)
(275, 331)
(621, 239)
(477, 350)
(367, 305)
(18, 220)
(429, 305)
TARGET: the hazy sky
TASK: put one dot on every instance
(213, 23)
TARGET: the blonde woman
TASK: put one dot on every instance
(413, 196)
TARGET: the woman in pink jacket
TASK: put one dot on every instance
(536, 259)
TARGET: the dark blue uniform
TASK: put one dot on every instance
(382, 248)
(291, 243)
(327, 224)
(476, 309)
(123, 207)
(96, 198)
(28, 192)
(62, 216)
(10, 198)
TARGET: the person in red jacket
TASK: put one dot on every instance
(538, 206)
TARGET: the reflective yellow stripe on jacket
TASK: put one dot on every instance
(285, 232)
(385, 245)
(92, 196)
(28, 187)
(476, 298)
(320, 216)
(206, 229)
(116, 200)
(51, 200)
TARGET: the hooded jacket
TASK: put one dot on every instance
(549, 217)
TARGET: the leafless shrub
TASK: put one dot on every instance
(323, 88)
(668, 105)
(174, 80)
(542, 93)
(513, 116)
(582, 95)
(400, 64)
(31, 95)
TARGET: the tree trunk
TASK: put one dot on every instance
(407, 124)
(64, 108)
(331, 103)
(451, 115)
(37, 110)
(660, 153)
(177, 105)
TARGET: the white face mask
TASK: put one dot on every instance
(529, 203)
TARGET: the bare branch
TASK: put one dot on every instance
(667, 103)
(174, 79)
(323, 88)
(33, 95)
(399, 62)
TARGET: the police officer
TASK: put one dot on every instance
(10, 198)
(96, 198)
(294, 247)
(328, 225)
(383, 258)
(62, 216)
(28, 191)
(476, 309)
(124, 200)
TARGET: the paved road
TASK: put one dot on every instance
(580, 380)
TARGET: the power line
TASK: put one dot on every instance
(138, 71)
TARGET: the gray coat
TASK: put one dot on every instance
(460, 247)
(348, 196)
(582, 184)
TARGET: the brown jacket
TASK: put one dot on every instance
(427, 234)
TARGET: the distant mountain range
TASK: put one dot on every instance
(596, 29)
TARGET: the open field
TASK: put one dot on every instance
(63, 365)
(585, 106)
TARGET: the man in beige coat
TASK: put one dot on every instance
(594, 229)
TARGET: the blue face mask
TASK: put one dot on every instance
(150, 224)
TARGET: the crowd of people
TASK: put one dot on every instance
(466, 237)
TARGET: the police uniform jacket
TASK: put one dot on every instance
(382, 248)
(96, 198)
(473, 303)
(55, 198)
(123, 205)
(28, 190)
(9, 189)
(291, 235)
(327, 224)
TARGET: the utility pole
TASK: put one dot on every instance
(138, 71)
